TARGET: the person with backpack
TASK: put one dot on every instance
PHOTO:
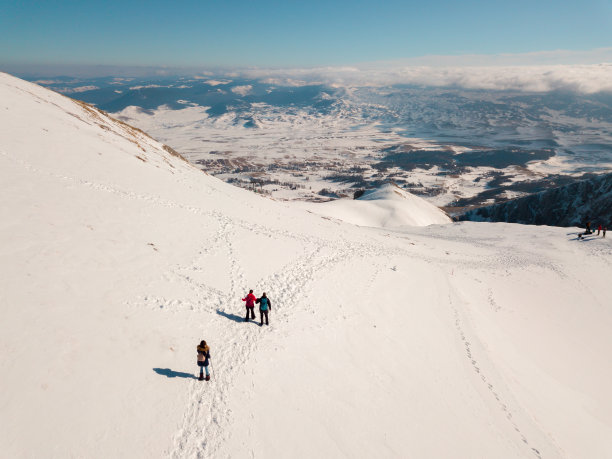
(264, 306)
(250, 305)
(203, 356)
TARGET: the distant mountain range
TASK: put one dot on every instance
(570, 205)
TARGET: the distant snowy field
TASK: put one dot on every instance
(447, 340)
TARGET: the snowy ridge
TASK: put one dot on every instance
(117, 258)
(386, 207)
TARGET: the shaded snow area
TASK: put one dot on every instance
(458, 340)
(386, 207)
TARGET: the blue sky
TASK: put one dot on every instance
(268, 33)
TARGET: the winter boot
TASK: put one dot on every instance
(207, 378)
(201, 378)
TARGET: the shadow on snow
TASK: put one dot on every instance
(173, 374)
(234, 317)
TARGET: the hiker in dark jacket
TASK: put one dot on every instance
(203, 356)
(264, 306)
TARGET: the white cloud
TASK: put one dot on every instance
(78, 89)
(288, 82)
(204, 75)
(148, 86)
(580, 78)
(543, 71)
(217, 82)
(242, 90)
(584, 71)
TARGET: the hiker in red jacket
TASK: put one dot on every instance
(250, 305)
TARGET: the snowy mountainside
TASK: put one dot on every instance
(386, 207)
(117, 258)
(570, 205)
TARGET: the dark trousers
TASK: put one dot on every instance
(263, 314)
(252, 313)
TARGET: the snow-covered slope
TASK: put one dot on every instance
(386, 207)
(117, 258)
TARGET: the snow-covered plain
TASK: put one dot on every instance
(117, 258)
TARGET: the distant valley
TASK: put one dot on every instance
(457, 148)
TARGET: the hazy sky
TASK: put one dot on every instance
(290, 33)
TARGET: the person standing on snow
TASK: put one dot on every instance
(250, 305)
(598, 229)
(604, 231)
(264, 306)
(203, 356)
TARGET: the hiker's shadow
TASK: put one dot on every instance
(584, 237)
(167, 372)
(233, 317)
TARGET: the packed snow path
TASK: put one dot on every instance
(460, 340)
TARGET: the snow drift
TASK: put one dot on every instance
(117, 258)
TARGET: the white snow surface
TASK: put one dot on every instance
(457, 340)
(386, 207)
